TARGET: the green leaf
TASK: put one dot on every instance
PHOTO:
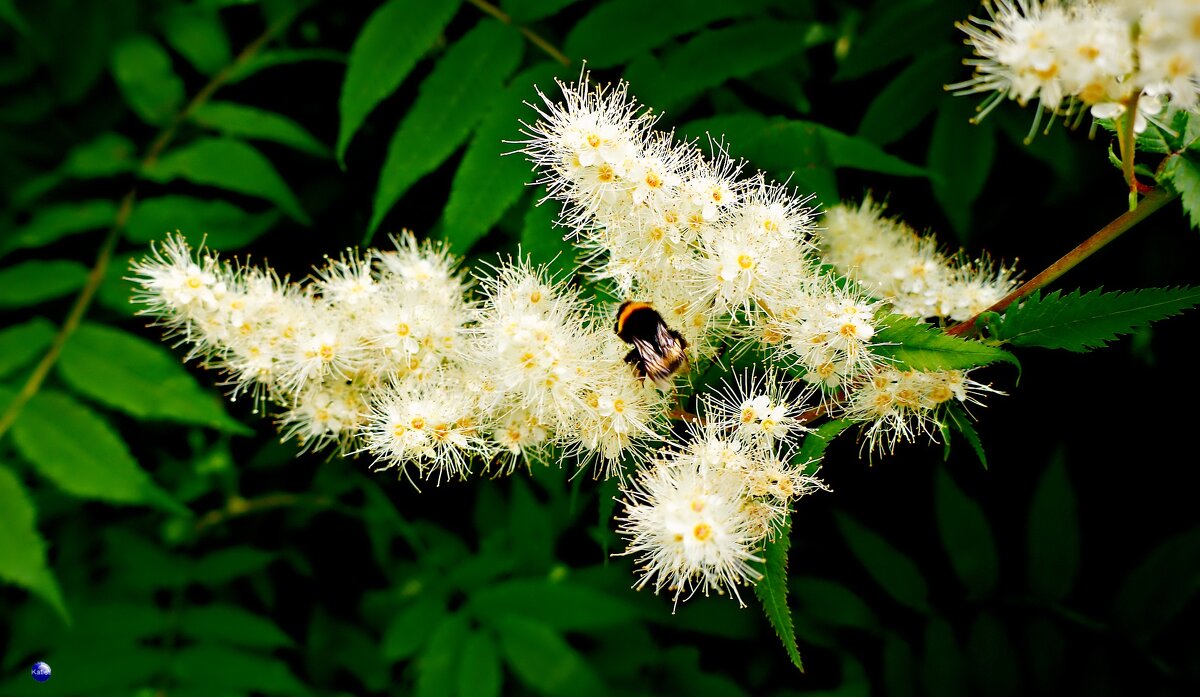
(892, 570)
(106, 155)
(1158, 589)
(544, 662)
(642, 26)
(899, 667)
(543, 241)
(282, 56)
(196, 32)
(942, 670)
(52, 223)
(888, 36)
(228, 563)
(12, 17)
(481, 675)
(531, 527)
(438, 665)
(710, 58)
(22, 548)
(960, 159)
(218, 668)
(388, 46)
(21, 343)
(833, 604)
(218, 224)
(251, 123)
(915, 345)
(1081, 321)
(995, 667)
(772, 589)
(462, 87)
(230, 624)
(411, 628)
(228, 164)
(966, 536)
(559, 605)
(817, 440)
(36, 281)
(142, 70)
(140, 378)
(858, 153)
(529, 10)
(486, 183)
(77, 450)
(958, 419)
(1053, 534)
(910, 96)
(1184, 177)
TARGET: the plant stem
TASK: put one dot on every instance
(1127, 139)
(96, 276)
(1153, 201)
(534, 38)
(238, 506)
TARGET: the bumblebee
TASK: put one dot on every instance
(659, 352)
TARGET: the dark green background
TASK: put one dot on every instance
(1067, 566)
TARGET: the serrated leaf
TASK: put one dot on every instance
(958, 419)
(544, 662)
(560, 605)
(712, 57)
(196, 32)
(391, 41)
(1159, 588)
(216, 668)
(412, 626)
(772, 590)
(1053, 534)
(642, 26)
(52, 223)
(228, 164)
(812, 449)
(1184, 177)
(142, 70)
(914, 345)
(893, 571)
(911, 96)
(73, 447)
(482, 676)
(966, 535)
(960, 159)
(251, 123)
(21, 343)
(139, 377)
(22, 548)
(218, 224)
(1081, 321)
(37, 280)
(463, 85)
(487, 182)
(230, 624)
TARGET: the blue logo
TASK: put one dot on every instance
(41, 671)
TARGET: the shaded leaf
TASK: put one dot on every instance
(832, 604)
(899, 667)
(106, 155)
(391, 41)
(859, 153)
(893, 571)
(264, 60)
(531, 527)
(463, 85)
(197, 34)
(1053, 534)
(1160, 586)
(481, 676)
(559, 605)
(216, 667)
(1081, 321)
(544, 662)
(218, 224)
(142, 70)
(52, 223)
(487, 183)
(942, 671)
(966, 535)
(888, 36)
(543, 241)
(412, 626)
(77, 450)
(139, 377)
(910, 97)
(642, 26)
(439, 663)
(228, 164)
(22, 548)
(772, 590)
(36, 281)
(230, 624)
(958, 419)
(229, 563)
(529, 10)
(918, 346)
(995, 666)
(241, 121)
(960, 159)
(21, 343)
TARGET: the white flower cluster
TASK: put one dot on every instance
(388, 355)
(907, 270)
(697, 515)
(1092, 55)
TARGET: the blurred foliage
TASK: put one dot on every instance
(155, 540)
